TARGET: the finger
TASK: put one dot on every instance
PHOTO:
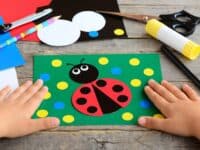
(43, 124)
(35, 101)
(162, 91)
(20, 90)
(174, 90)
(31, 91)
(152, 123)
(33, 125)
(190, 92)
(4, 92)
(158, 101)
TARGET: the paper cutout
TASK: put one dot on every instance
(60, 33)
(97, 97)
(12, 10)
(10, 56)
(69, 8)
(89, 21)
(77, 97)
(8, 77)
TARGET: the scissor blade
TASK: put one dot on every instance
(139, 18)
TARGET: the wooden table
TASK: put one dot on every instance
(113, 137)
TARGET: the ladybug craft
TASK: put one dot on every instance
(96, 97)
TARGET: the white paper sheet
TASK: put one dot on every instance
(8, 77)
(89, 21)
(60, 33)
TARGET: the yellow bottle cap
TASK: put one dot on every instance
(191, 50)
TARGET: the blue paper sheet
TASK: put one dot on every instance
(10, 56)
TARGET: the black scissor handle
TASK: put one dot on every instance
(182, 22)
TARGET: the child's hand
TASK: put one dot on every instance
(181, 109)
(17, 108)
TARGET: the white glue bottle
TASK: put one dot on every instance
(160, 31)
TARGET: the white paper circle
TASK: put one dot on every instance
(89, 21)
(60, 33)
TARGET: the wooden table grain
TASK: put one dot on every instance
(113, 137)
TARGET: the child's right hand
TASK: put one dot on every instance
(181, 109)
(17, 108)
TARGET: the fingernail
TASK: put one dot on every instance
(45, 87)
(39, 81)
(146, 87)
(151, 81)
(163, 82)
(142, 121)
(55, 122)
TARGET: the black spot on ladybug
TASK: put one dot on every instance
(92, 109)
(81, 101)
(106, 103)
(84, 73)
(122, 98)
(101, 83)
(85, 90)
(117, 88)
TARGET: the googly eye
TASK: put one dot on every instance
(76, 71)
(84, 67)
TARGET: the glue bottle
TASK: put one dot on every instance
(160, 31)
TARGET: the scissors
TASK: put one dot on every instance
(182, 22)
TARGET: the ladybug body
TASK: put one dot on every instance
(97, 97)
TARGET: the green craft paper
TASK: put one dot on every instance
(125, 72)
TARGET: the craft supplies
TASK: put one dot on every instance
(10, 56)
(29, 31)
(64, 32)
(8, 77)
(160, 31)
(183, 45)
(61, 33)
(9, 26)
(68, 9)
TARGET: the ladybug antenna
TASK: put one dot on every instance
(68, 64)
(82, 60)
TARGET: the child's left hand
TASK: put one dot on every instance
(17, 108)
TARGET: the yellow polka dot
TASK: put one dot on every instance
(134, 62)
(119, 32)
(158, 116)
(56, 63)
(103, 61)
(127, 116)
(68, 118)
(47, 96)
(62, 85)
(42, 113)
(148, 72)
(136, 82)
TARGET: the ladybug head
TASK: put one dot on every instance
(83, 73)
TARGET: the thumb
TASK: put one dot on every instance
(152, 123)
(42, 124)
